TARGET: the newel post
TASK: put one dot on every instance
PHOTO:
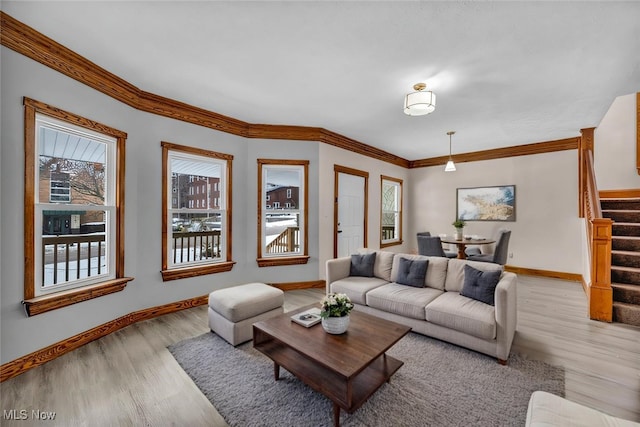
(600, 292)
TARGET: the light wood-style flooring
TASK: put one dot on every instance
(130, 379)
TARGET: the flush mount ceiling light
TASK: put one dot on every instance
(451, 167)
(420, 102)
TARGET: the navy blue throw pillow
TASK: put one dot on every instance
(412, 272)
(362, 265)
(480, 285)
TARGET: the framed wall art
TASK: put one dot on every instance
(486, 203)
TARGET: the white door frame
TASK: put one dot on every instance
(337, 169)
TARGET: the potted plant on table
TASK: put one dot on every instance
(459, 225)
(335, 309)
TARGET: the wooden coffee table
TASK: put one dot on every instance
(346, 368)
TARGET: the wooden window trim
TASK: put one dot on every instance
(196, 270)
(278, 261)
(203, 269)
(41, 304)
(286, 259)
(400, 183)
(44, 303)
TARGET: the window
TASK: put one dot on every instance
(391, 211)
(74, 188)
(282, 234)
(195, 240)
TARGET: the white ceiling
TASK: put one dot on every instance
(505, 73)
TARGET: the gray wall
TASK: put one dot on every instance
(21, 335)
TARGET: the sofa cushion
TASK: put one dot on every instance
(404, 300)
(455, 272)
(463, 314)
(356, 287)
(480, 285)
(412, 272)
(436, 270)
(362, 264)
(383, 263)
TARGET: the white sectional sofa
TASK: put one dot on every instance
(437, 309)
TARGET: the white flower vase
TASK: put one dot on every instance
(335, 325)
(458, 234)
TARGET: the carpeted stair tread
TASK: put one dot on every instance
(626, 313)
(622, 215)
(620, 204)
(626, 293)
(625, 229)
(629, 275)
(625, 243)
(625, 258)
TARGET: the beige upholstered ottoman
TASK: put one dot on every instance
(547, 410)
(232, 311)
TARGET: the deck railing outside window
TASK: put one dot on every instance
(190, 246)
(72, 257)
(287, 242)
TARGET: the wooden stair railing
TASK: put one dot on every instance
(599, 291)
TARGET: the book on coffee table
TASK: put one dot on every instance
(307, 318)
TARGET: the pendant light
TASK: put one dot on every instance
(451, 167)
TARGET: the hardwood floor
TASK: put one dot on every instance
(130, 379)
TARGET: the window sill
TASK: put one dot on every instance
(186, 272)
(274, 262)
(44, 303)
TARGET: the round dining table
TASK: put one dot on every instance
(463, 243)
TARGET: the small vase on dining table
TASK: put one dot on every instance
(458, 234)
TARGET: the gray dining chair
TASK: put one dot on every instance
(499, 256)
(432, 246)
(424, 233)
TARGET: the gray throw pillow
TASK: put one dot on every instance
(412, 272)
(480, 285)
(362, 265)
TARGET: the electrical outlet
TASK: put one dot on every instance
(510, 254)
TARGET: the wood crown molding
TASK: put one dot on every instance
(37, 358)
(26, 41)
(498, 153)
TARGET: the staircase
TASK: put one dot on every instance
(625, 258)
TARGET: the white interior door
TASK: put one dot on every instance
(351, 214)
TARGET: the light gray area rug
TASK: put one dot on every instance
(439, 385)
